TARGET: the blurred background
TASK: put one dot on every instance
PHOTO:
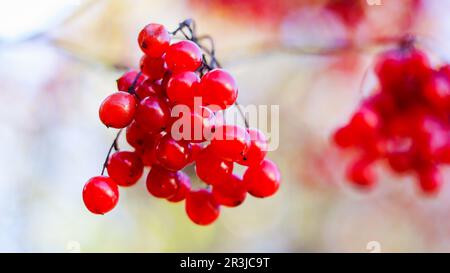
(59, 59)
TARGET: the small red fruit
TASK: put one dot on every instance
(100, 194)
(117, 110)
(125, 168)
(154, 40)
(262, 180)
(201, 207)
(183, 56)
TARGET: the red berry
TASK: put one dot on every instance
(231, 192)
(230, 142)
(153, 68)
(194, 125)
(365, 123)
(182, 87)
(117, 110)
(149, 88)
(437, 91)
(183, 56)
(197, 148)
(430, 179)
(148, 150)
(172, 154)
(201, 207)
(162, 183)
(262, 180)
(344, 137)
(361, 174)
(257, 149)
(154, 40)
(218, 87)
(135, 136)
(125, 168)
(210, 168)
(153, 115)
(184, 186)
(401, 156)
(349, 11)
(393, 66)
(100, 194)
(126, 81)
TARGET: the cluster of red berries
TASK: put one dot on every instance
(175, 75)
(406, 121)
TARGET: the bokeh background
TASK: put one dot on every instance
(59, 59)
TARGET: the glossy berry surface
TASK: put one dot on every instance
(117, 110)
(172, 154)
(230, 142)
(182, 87)
(183, 56)
(154, 40)
(201, 207)
(184, 186)
(210, 168)
(149, 88)
(100, 194)
(136, 136)
(218, 88)
(262, 180)
(125, 82)
(162, 183)
(125, 168)
(231, 192)
(153, 68)
(257, 149)
(153, 115)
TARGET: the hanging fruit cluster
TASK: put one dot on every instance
(178, 73)
(406, 122)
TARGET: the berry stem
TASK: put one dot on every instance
(114, 146)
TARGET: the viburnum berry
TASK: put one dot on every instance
(170, 108)
(153, 68)
(182, 87)
(125, 168)
(361, 173)
(405, 122)
(149, 88)
(257, 149)
(172, 154)
(117, 110)
(148, 150)
(262, 180)
(231, 192)
(218, 87)
(201, 207)
(430, 179)
(100, 194)
(162, 183)
(196, 125)
(183, 56)
(184, 186)
(210, 168)
(230, 142)
(128, 78)
(135, 136)
(154, 40)
(153, 115)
